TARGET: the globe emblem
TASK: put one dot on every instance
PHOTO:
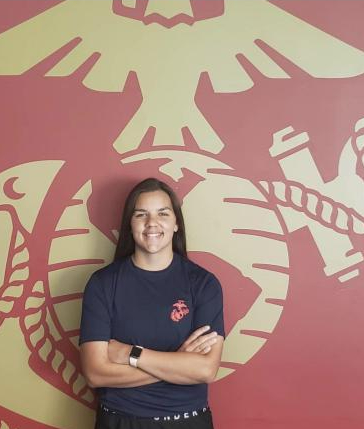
(240, 228)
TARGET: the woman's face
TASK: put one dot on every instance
(153, 224)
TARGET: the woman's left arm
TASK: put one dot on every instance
(180, 367)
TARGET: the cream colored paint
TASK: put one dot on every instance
(60, 411)
(300, 167)
(6, 230)
(32, 179)
(168, 8)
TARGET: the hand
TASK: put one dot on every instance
(119, 352)
(199, 342)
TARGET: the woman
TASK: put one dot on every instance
(152, 322)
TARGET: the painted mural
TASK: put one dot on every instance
(253, 112)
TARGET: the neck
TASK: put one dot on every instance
(152, 262)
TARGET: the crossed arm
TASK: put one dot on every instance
(197, 361)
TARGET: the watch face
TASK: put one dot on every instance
(136, 352)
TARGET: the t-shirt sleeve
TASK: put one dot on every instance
(209, 306)
(96, 313)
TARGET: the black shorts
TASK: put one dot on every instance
(110, 420)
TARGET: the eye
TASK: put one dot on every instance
(139, 214)
(163, 214)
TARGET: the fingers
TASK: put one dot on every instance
(196, 334)
(202, 344)
(205, 350)
(199, 341)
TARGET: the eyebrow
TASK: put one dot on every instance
(145, 211)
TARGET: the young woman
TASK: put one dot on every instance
(152, 322)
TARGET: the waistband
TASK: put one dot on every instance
(178, 416)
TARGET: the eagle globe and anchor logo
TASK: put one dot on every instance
(257, 215)
(179, 311)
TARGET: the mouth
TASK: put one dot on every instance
(153, 234)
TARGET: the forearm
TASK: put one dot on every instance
(101, 372)
(196, 361)
(114, 375)
(178, 367)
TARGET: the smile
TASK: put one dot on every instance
(155, 234)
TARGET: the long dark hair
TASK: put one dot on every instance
(126, 245)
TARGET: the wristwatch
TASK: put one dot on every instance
(135, 353)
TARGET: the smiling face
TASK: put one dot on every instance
(153, 224)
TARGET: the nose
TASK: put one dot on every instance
(152, 220)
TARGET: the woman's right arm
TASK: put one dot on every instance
(95, 332)
(100, 371)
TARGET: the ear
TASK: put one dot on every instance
(175, 229)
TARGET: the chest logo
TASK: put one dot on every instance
(179, 311)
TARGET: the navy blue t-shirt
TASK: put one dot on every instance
(157, 310)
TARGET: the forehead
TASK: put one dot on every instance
(153, 200)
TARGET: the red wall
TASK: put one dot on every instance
(202, 100)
